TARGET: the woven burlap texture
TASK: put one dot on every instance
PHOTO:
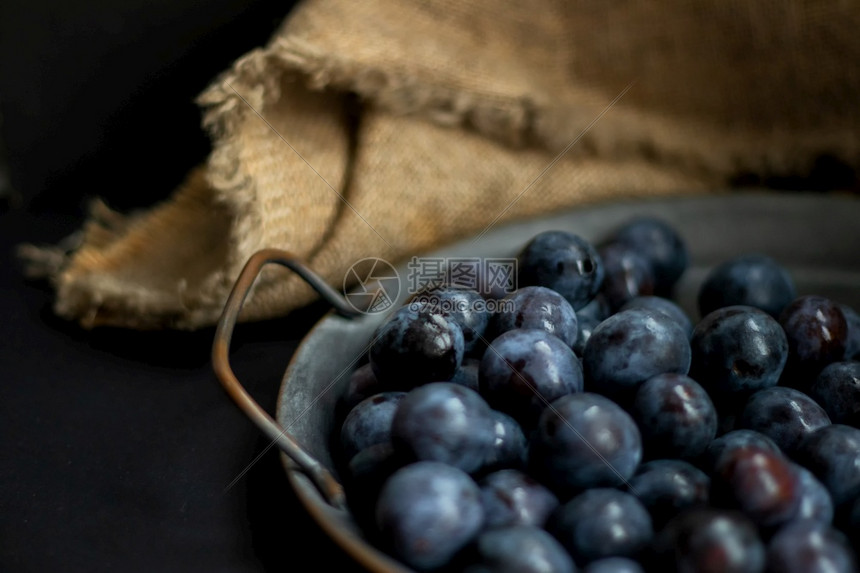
(384, 128)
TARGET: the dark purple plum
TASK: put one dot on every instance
(630, 347)
(416, 346)
(832, 453)
(520, 549)
(601, 523)
(467, 374)
(513, 498)
(539, 308)
(837, 389)
(817, 334)
(374, 461)
(785, 415)
(737, 350)
(613, 565)
(675, 416)
(362, 384)
(563, 262)
(810, 547)
(727, 443)
(815, 501)
(367, 472)
(465, 307)
(748, 280)
(627, 274)
(584, 440)
(586, 327)
(510, 447)
(427, 512)
(369, 423)
(446, 423)
(761, 483)
(852, 342)
(660, 245)
(664, 305)
(709, 541)
(524, 370)
(667, 487)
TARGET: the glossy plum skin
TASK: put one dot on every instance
(709, 540)
(601, 523)
(738, 350)
(815, 501)
(510, 446)
(664, 305)
(584, 440)
(749, 280)
(511, 497)
(832, 453)
(630, 347)
(659, 244)
(667, 487)
(586, 327)
(761, 483)
(675, 415)
(728, 442)
(520, 549)
(539, 308)
(627, 274)
(427, 512)
(524, 370)
(810, 547)
(464, 307)
(837, 389)
(444, 422)
(817, 333)
(416, 346)
(369, 423)
(562, 401)
(563, 262)
(785, 415)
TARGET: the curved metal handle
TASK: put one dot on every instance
(328, 486)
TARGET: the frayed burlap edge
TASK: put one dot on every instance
(222, 197)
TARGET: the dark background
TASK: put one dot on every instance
(116, 447)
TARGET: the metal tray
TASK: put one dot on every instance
(817, 237)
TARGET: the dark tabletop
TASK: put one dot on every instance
(117, 447)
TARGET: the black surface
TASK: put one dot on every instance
(97, 97)
(117, 447)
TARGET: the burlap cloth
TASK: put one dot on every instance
(384, 128)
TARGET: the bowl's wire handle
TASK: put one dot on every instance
(328, 486)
